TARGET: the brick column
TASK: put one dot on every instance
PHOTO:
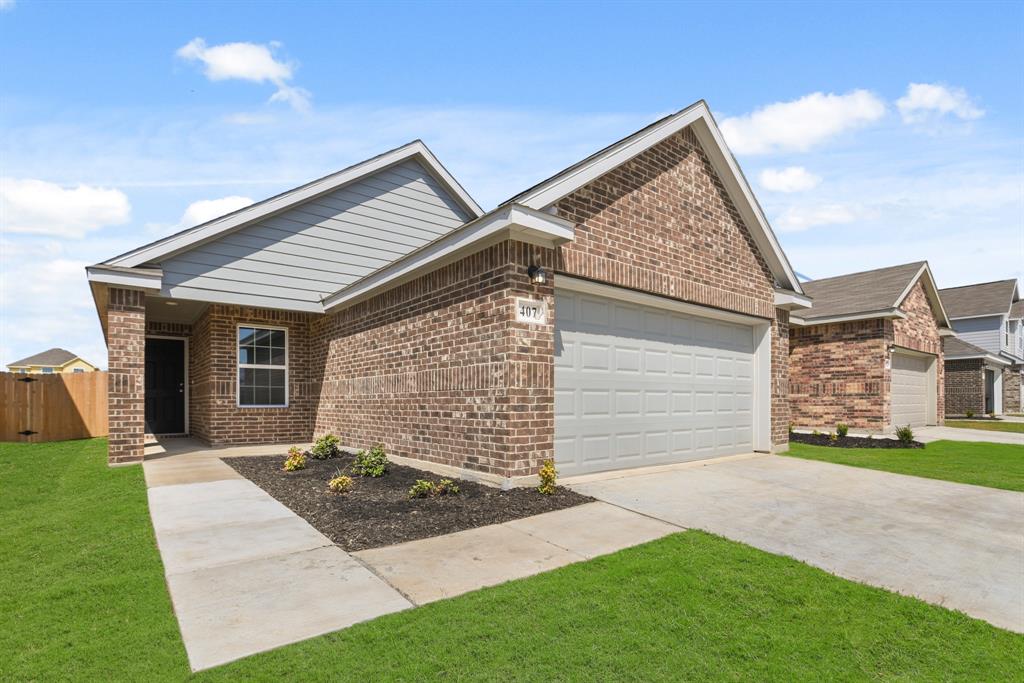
(126, 350)
(780, 418)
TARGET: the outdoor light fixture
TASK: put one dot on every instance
(537, 275)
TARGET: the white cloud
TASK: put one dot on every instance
(789, 179)
(801, 124)
(800, 218)
(6, 5)
(43, 208)
(927, 101)
(252, 62)
(248, 119)
(208, 209)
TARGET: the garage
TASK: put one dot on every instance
(639, 384)
(913, 389)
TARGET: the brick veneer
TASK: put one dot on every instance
(126, 344)
(838, 373)
(1011, 389)
(438, 369)
(663, 223)
(965, 386)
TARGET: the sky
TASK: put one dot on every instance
(872, 134)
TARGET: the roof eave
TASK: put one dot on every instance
(847, 317)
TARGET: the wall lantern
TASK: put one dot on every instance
(537, 275)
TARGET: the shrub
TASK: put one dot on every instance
(832, 437)
(371, 463)
(421, 489)
(969, 414)
(548, 474)
(296, 460)
(815, 433)
(429, 489)
(992, 414)
(326, 447)
(905, 434)
(791, 427)
(341, 483)
(842, 429)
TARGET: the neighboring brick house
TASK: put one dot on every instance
(987, 318)
(869, 354)
(631, 310)
(971, 374)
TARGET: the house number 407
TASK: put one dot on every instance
(531, 311)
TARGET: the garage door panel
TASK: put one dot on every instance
(911, 389)
(636, 385)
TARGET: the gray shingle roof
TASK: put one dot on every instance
(955, 346)
(987, 298)
(50, 357)
(1017, 310)
(872, 290)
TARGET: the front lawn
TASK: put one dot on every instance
(989, 425)
(83, 598)
(996, 465)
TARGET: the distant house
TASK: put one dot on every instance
(985, 365)
(51, 361)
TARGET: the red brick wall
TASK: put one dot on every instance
(1011, 389)
(214, 414)
(781, 412)
(965, 387)
(126, 346)
(837, 374)
(920, 331)
(663, 223)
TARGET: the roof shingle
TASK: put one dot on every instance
(872, 290)
(50, 357)
(986, 298)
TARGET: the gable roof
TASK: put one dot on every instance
(51, 357)
(698, 117)
(985, 298)
(954, 348)
(870, 294)
(1017, 309)
(217, 227)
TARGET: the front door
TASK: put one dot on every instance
(165, 386)
(990, 391)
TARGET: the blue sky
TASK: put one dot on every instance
(873, 134)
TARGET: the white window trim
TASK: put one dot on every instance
(239, 366)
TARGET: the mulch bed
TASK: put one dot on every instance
(378, 511)
(851, 441)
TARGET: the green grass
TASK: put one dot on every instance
(989, 425)
(88, 602)
(996, 465)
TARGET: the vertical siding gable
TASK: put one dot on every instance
(295, 258)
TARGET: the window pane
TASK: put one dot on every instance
(277, 396)
(245, 335)
(262, 378)
(262, 355)
(245, 396)
(263, 337)
(246, 356)
(277, 356)
(246, 377)
(277, 338)
(262, 396)
(276, 378)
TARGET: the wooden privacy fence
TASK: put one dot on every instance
(54, 407)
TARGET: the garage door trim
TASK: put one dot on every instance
(762, 433)
(931, 407)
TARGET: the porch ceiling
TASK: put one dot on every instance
(166, 310)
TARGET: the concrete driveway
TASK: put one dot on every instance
(929, 434)
(955, 545)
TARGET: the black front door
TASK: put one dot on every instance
(165, 386)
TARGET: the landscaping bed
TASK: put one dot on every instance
(851, 441)
(378, 511)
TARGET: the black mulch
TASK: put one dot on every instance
(378, 511)
(851, 441)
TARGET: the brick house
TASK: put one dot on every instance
(630, 310)
(869, 354)
(988, 357)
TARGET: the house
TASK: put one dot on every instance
(869, 354)
(51, 361)
(630, 310)
(985, 368)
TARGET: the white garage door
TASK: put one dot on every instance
(912, 392)
(638, 386)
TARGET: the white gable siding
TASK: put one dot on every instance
(985, 332)
(295, 258)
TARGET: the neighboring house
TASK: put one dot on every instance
(987, 316)
(52, 361)
(630, 310)
(869, 354)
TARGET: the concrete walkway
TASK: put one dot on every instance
(929, 434)
(955, 545)
(245, 573)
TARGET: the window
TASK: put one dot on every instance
(262, 367)
(78, 370)
(47, 370)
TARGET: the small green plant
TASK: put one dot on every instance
(905, 434)
(832, 437)
(815, 433)
(341, 483)
(327, 446)
(296, 460)
(842, 429)
(969, 414)
(992, 414)
(431, 489)
(371, 463)
(421, 489)
(791, 427)
(548, 475)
